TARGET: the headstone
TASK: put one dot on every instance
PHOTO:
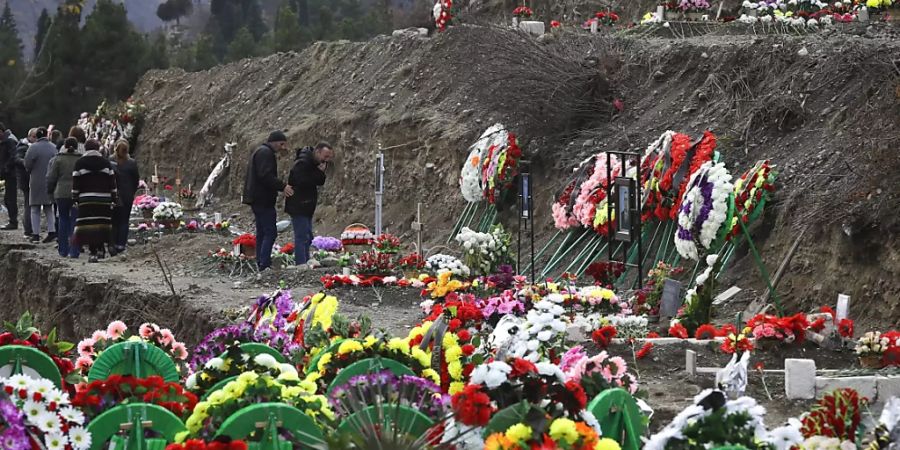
(594, 27)
(236, 251)
(533, 27)
(843, 308)
(862, 15)
(218, 217)
(800, 379)
(346, 271)
(671, 298)
(690, 362)
(661, 12)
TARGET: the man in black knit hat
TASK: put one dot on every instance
(261, 188)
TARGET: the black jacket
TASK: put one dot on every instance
(128, 177)
(19, 165)
(305, 178)
(8, 146)
(262, 185)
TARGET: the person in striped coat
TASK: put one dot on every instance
(94, 192)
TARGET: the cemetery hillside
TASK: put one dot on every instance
(449, 224)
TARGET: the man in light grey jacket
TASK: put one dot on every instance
(37, 160)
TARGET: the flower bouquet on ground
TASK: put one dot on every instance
(411, 265)
(327, 243)
(50, 420)
(187, 196)
(523, 12)
(597, 373)
(485, 252)
(168, 214)
(250, 388)
(834, 422)
(870, 348)
(387, 243)
(101, 395)
(446, 263)
(225, 260)
(647, 299)
(357, 234)
(375, 263)
(146, 204)
(91, 348)
(770, 331)
(247, 243)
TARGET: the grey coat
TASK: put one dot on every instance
(59, 176)
(37, 161)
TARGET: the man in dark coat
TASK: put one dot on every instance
(24, 180)
(261, 188)
(8, 144)
(306, 176)
(37, 161)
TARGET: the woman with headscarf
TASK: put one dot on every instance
(59, 184)
(94, 193)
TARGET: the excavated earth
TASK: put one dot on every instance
(824, 107)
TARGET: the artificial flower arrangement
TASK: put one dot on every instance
(834, 421)
(146, 202)
(608, 18)
(25, 334)
(523, 12)
(274, 320)
(91, 348)
(703, 210)
(485, 252)
(590, 207)
(352, 350)
(693, 5)
(233, 363)
(356, 234)
(698, 300)
(50, 420)
(870, 348)
(385, 388)
(442, 14)
(250, 388)
(605, 273)
(496, 307)
(750, 191)
(412, 263)
(167, 212)
(216, 226)
(539, 336)
(186, 195)
(561, 210)
(375, 263)
(502, 279)
(331, 281)
(714, 421)
(768, 329)
(225, 260)
(245, 240)
(464, 321)
(661, 161)
(443, 285)
(13, 435)
(499, 167)
(737, 343)
(327, 244)
(470, 180)
(102, 395)
(441, 263)
(200, 444)
(286, 249)
(597, 373)
(561, 433)
(387, 244)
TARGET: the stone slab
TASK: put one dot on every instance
(887, 387)
(866, 386)
(800, 379)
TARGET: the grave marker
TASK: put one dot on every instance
(843, 308)
(671, 298)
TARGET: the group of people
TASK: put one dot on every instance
(301, 192)
(80, 195)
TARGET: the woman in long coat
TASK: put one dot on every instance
(94, 193)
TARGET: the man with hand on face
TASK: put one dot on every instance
(306, 176)
(261, 188)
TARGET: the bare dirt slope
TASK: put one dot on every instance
(823, 107)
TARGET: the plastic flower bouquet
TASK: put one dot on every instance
(870, 348)
(357, 235)
(561, 433)
(49, 417)
(375, 263)
(387, 243)
(167, 212)
(328, 244)
(523, 12)
(484, 252)
(411, 264)
(147, 202)
(441, 263)
(90, 348)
